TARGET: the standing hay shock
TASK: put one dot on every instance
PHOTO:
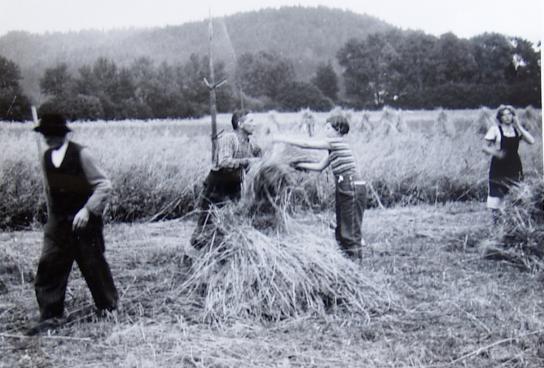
(484, 121)
(445, 126)
(522, 229)
(532, 119)
(255, 276)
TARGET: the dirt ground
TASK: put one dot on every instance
(456, 308)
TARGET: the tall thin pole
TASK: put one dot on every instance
(39, 148)
(36, 122)
(213, 102)
(212, 86)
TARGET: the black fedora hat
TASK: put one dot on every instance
(52, 124)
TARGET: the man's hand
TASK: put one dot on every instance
(229, 164)
(81, 220)
(245, 162)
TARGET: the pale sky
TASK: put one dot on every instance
(465, 18)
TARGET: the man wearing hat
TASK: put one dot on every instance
(76, 195)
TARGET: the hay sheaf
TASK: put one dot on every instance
(254, 275)
(532, 119)
(269, 194)
(523, 227)
(484, 121)
(272, 184)
(445, 127)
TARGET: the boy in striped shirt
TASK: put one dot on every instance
(350, 192)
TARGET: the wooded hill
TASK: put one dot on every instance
(285, 59)
(307, 36)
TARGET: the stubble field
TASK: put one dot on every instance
(441, 304)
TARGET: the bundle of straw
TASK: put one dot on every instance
(484, 121)
(268, 195)
(259, 276)
(523, 226)
(532, 119)
(273, 187)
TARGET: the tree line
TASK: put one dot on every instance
(400, 69)
(415, 70)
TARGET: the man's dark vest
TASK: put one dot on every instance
(68, 186)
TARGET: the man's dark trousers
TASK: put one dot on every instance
(220, 186)
(61, 248)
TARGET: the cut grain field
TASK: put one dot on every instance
(450, 307)
(283, 296)
(157, 167)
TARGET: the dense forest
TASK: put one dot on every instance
(284, 59)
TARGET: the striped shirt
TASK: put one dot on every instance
(341, 158)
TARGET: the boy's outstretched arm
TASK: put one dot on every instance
(302, 143)
(314, 166)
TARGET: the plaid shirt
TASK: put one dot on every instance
(233, 150)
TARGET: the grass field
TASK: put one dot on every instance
(452, 309)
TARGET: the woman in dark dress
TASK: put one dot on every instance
(502, 143)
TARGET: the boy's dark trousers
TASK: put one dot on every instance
(350, 206)
(61, 248)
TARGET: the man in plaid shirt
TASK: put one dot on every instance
(224, 182)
